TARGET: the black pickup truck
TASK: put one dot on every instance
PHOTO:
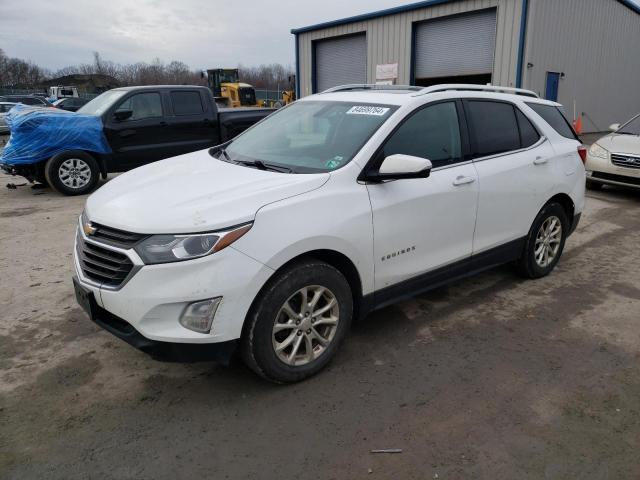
(141, 125)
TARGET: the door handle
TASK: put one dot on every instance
(462, 180)
(163, 124)
(540, 161)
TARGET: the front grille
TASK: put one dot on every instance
(102, 265)
(247, 96)
(628, 161)
(617, 178)
(113, 236)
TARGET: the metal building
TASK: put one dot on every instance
(582, 53)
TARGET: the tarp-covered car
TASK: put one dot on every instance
(119, 130)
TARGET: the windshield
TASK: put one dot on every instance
(632, 127)
(101, 103)
(313, 136)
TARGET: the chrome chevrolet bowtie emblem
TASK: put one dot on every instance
(89, 229)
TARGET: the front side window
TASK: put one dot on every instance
(494, 127)
(310, 136)
(432, 132)
(142, 105)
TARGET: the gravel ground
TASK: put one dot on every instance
(491, 377)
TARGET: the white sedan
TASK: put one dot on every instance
(615, 158)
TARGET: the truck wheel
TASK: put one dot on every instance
(545, 242)
(72, 173)
(298, 322)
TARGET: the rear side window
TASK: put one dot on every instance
(494, 127)
(528, 133)
(554, 117)
(186, 103)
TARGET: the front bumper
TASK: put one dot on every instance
(603, 171)
(221, 352)
(152, 300)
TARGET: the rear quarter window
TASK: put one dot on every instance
(554, 117)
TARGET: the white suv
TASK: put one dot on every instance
(334, 206)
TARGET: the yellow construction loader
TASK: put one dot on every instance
(229, 91)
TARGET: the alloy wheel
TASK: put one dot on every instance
(548, 241)
(305, 325)
(74, 173)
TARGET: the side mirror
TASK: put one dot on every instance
(121, 115)
(399, 166)
(614, 126)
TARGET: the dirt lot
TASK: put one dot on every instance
(492, 377)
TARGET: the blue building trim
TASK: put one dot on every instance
(405, 8)
(523, 35)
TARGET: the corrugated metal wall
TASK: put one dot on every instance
(596, 43)
(389, 39)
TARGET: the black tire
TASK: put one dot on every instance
(52, 173)
(528, 267)
(593, 185)
(257, 348)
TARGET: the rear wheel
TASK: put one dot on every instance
(72, 173)
(298, 322)
(545, 242)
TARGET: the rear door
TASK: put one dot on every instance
(192, 124)
(422, 224)
(140, 138)
(513, 163)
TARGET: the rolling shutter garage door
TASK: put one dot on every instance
(340, 61)
(461, 45)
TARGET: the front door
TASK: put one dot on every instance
(140, 138)
(422, 224)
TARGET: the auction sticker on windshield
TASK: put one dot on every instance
(367, 110)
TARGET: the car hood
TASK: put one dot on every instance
(192, 193)
(621, 143)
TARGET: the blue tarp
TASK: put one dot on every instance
(39, 133)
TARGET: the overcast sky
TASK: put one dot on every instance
(201, 33)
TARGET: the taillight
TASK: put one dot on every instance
(582, 151)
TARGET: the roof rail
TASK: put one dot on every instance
(370, 86)
(476, 88)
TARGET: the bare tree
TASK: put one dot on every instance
(19, 73)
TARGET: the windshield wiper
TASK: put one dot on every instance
(260, 165)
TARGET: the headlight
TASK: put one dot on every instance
(176, 248)
(599, 152)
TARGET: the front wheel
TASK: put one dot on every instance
(545, 242)
(298, 322)
(72, 173)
